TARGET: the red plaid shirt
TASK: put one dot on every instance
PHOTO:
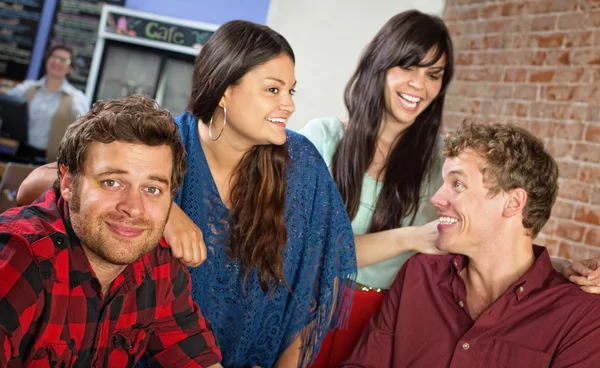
(52, 313)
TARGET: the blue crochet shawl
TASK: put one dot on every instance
(254, 328)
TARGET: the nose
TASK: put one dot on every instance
(132, 203)
(439, 199)
(417, 80)
(287, 103)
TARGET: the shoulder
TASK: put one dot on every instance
(325, 130)
(302, 151)
(434, 266)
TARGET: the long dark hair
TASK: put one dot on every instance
(405, 41)
(259, 233)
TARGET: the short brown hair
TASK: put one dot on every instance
(133, 119)
(514, 158)
(64, 48)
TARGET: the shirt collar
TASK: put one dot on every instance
(65, 87)
(532, 280)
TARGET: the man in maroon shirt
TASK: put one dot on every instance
(85, 282)
(496, 302)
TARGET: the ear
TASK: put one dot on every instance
(66, 183)
(517, 198)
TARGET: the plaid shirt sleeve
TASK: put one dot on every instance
(182, 337)
(19, 292)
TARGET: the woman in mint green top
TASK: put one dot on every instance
(385, 160)
(325, 134)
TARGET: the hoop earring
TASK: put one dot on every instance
(211, 123)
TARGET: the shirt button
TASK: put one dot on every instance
(461, 304)
(456, 263)
(466, 346)
(59, 240)
(521, 289)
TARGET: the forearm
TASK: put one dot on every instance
(40, 180)
(291, 356)
(377, 247)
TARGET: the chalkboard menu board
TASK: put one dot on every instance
(19, 21)
(76, 25)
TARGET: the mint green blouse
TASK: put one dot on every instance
(325, 134)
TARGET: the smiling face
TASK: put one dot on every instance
(259, 106)
(119, 204)
(59, 64)
(408, 92)
(468, 214)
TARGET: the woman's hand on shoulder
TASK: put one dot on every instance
(584, 273)
(184, 238)
(425, 237)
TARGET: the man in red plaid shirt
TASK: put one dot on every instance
(85, 282)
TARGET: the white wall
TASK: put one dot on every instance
(328, 37)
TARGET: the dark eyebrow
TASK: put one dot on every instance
(107, 172)
(437, 69)
(280, 81)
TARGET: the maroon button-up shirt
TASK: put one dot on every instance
(542, 320)
(53, 313)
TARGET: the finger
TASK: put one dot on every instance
(583, 281)
(595, 275)
(591, 289)
(200, 251)
(188, 249)
(581, 269)
(176, 251)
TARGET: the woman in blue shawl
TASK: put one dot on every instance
(280, 250)
(280, 258)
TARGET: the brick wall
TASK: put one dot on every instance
(537, 64)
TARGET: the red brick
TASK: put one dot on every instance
(576, 191)
(490, 11)
(590, 174)
(593, 20)
(514, 9)
(571, 250)
(596, 37)
(541, 76)
(558, 93)
(586, 93)
(593, 114)
(587, 152)
(525, 92)
(563, 209)
(568, 75)
(557, 57)
(565, 111)
(569, 131)
(568, 169)
(588, 214)
(570, 230)
(544, 23)
(588, 5)
(549, 41)
(515, 75)
(579, 39)
(463, 14)
(586, 57)
(592, 133)
(596, 196)
(561, 5)
(491, 107)
(593, 236)
(571, 21)
(464, 59)
(559, 148)
(496, 26)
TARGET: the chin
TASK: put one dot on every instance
(278, 140)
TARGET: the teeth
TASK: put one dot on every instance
(409, 97)
(447, 220)
(276, 120)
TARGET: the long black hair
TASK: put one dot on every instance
(259, 233)
(405, 40)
